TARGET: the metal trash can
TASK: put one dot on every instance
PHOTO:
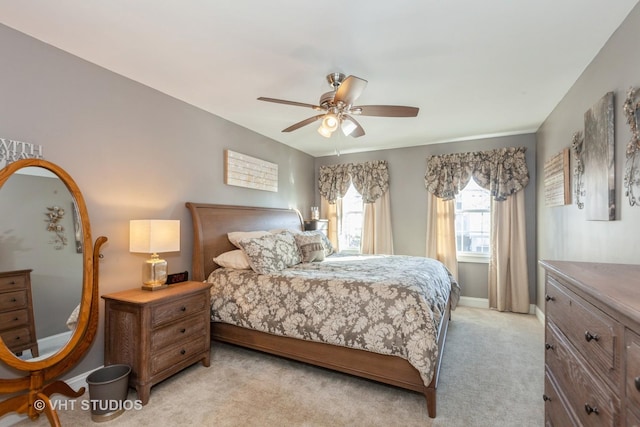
(108, 389)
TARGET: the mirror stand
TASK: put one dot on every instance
(39, 385)
(30, 394)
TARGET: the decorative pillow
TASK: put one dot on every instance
(235, 236)
(328, 247)
(311, 247)
(271, 253)
(233, 259)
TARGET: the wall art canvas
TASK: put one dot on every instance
(556, 180)
(246, 171)
(599, 162)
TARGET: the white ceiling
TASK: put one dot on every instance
(474, 68)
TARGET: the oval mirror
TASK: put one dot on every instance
(48, 282)
(41, 252)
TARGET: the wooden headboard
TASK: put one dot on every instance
(211, 223)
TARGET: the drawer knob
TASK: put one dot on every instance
(589, 336)
(590, 409)
(546, 398)
(13, 300)
(183, 330)
(183, 308)
(183, 351)
(637, 382)
(548, 297)
(548, 346)
(13, 282)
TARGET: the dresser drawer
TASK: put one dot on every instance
(12, 319)
(594, 334)
(176, 332)
(16, 337)
(167, 312)
(13, 300)
(590, 399)
(633, 368)
(11, 283)
(179, 354)
(632, 419)
(556, 414)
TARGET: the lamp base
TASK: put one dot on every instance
(154, 273)
(154, 287)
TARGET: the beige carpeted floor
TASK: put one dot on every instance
(492, 375)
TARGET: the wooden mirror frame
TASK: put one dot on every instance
(40, 382)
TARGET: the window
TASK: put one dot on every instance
(473, 223)
(351, 220)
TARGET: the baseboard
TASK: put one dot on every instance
(540, 315)
(484, 303)
(75, 383)
(474, 302)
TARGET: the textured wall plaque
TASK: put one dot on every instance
(556, 180)
(246, 171)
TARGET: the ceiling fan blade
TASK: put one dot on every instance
(348, 122)
(297, 104)
(349, 90)
(303, 123)
(385, 110)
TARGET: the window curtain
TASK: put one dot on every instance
(371, 180)
(441, 232)
(504, 173)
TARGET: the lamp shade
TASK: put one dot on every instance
(151, 236)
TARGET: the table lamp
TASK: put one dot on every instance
(151, 236)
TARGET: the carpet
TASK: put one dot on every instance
(492, 375)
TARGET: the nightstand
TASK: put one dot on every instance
(157, 333)
(317, 224)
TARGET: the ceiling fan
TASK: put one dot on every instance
(338, 109)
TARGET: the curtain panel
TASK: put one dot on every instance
(502, 171)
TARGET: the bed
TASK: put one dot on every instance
(211, 223)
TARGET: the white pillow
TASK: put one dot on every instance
(233, 259)
(235, 236)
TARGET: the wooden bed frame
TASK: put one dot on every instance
(211, 223)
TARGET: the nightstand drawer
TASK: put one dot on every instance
(16, 338)
(176, 332)
(11, 283)
(173, 310)
(13, 300)
(11, 319)
(179, 354)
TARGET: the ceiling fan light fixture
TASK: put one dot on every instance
(330, 122)
(322, 130)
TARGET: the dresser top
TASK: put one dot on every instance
(140, 296)
(615, 285)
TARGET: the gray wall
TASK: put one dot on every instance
(134, 152)
(563, 232)
(407, 167)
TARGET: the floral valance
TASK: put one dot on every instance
(502, 171)
(370, 179)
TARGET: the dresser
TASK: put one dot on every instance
(157, 333)
(17, 324)
(592, 344)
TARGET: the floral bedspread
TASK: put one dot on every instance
(384, 304)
